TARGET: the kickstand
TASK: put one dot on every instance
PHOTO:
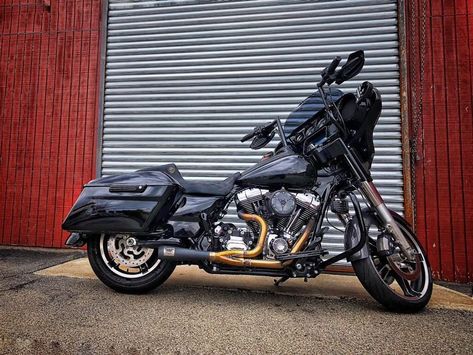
(281, 280)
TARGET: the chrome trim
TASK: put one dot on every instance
(371, 193)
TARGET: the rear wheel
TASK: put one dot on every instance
(395, 282)
(125, 268)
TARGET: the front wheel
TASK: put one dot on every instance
(396, 283)
(124, 268)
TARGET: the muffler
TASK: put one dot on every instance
(182, 254)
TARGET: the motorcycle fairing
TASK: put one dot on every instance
(307, 109)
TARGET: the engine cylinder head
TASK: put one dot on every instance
(251, 201)
(307, 206)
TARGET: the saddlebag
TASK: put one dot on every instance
(134, 202)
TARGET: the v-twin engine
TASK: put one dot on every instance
(285, 212)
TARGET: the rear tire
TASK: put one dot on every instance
(126, 269)
(387, 287)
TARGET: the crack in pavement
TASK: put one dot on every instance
(19, 286)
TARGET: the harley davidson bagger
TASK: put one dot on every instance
(138, 226)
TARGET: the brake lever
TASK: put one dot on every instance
(260, 131)
(268, 127)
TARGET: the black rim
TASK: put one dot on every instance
(402, 287)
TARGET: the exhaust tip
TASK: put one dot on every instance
(75, 240)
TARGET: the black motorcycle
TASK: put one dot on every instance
(140, 225)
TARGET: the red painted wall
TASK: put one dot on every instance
(48, 114)
(441, 104)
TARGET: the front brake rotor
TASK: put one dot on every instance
(411, 275)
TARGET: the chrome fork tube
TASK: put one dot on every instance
(371, 193)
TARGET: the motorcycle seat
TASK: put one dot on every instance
(198, 187)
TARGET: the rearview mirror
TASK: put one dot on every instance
(351, 68)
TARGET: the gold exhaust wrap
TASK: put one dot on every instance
(243, 258)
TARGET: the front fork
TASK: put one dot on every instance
(371, 193)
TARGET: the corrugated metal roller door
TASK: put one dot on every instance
(186, 80)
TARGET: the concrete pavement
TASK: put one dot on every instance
(324, 286)
(206, 314)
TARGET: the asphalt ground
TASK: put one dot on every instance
(53, 315)
(17, 265)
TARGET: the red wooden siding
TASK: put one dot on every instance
(443, 168)
(48, 114)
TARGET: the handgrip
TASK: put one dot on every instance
(247, 137)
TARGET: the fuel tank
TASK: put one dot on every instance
(287, 170)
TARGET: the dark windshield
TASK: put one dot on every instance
(307, 109)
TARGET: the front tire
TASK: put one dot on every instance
(394, 292)
(126, 269)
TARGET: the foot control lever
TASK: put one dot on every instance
(281, 280)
